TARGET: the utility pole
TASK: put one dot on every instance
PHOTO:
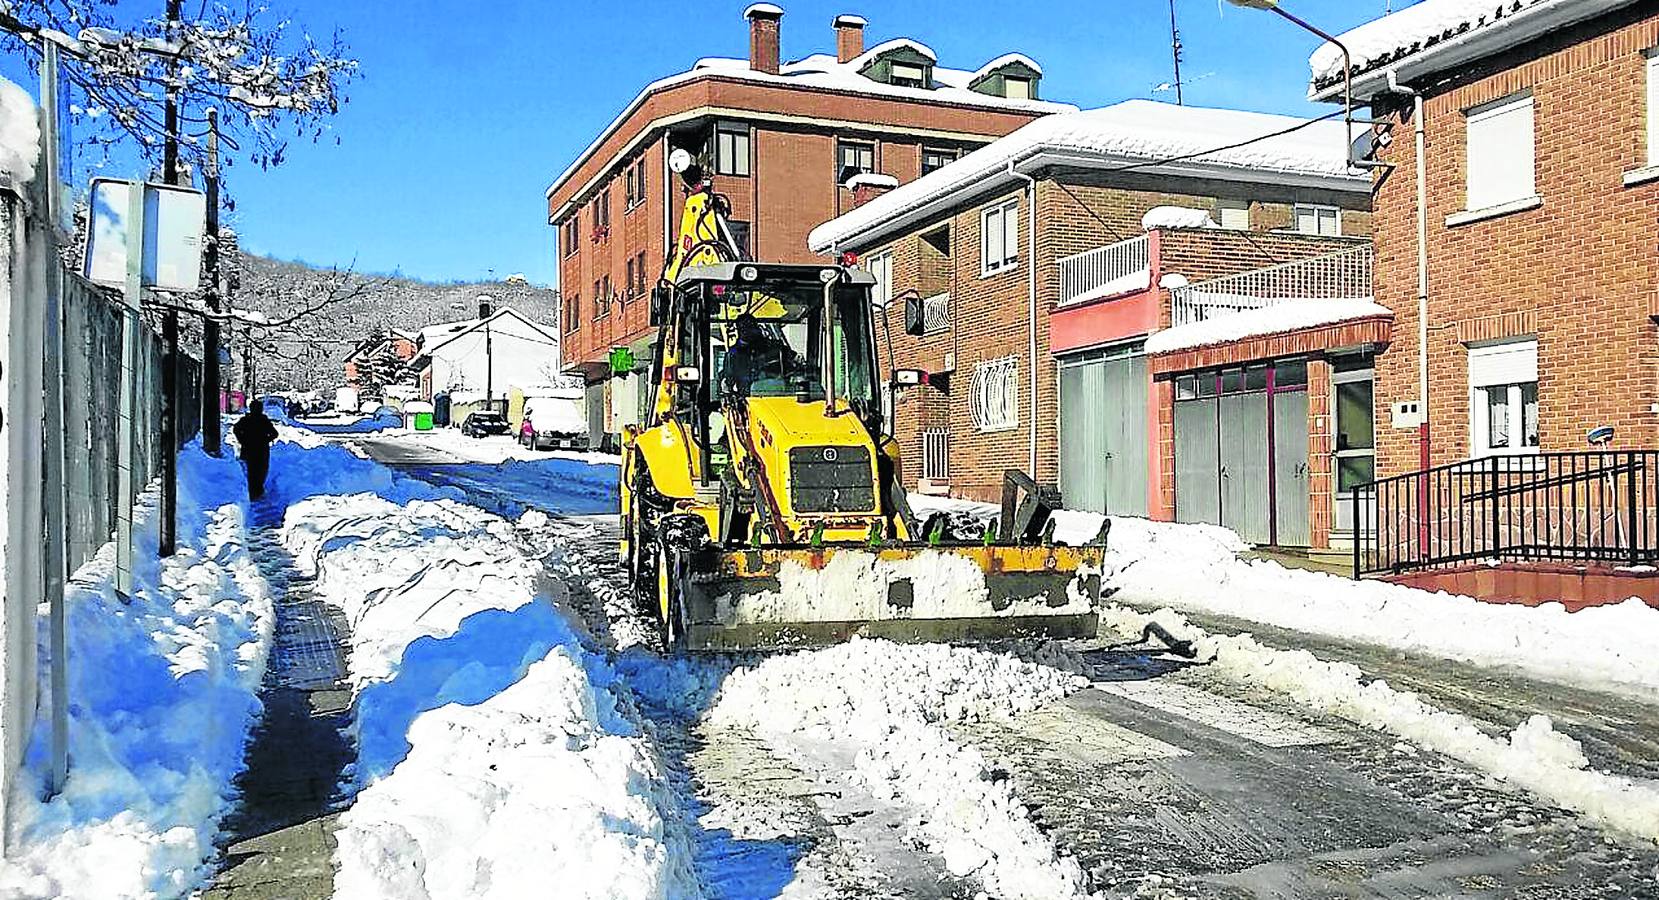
(1175, 48)
(170, 322)
(489, 368)
(57, 535)
(211, 391)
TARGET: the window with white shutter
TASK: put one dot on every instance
(1325, 220)
(1503, 398)
(999, 241)
(994, 394)
(1653, 107)
(1500, 153)
(1234, 214)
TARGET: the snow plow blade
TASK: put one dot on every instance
(787, 597)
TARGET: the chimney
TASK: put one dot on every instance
(849, 37)
(867, 186)
(763, 36)
(486, 306)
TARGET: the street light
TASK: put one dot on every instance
(1347, 72)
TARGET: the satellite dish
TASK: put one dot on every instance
(679, 161)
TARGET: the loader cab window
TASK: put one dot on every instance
(772, 341)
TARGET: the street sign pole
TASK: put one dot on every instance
(126, 450)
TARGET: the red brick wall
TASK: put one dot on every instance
(1579, 272)
(792, 186)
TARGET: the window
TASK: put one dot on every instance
(853, 158)
(936, 455)
(907, 75)
(1234, 214)
(1325, 220)
(573, 313)
(1016, 88)
(881, 266)
(598, 301)
(635, 179)
(1500, 153)
(572, 233)
(1356, 461)
(628, 285)
(639, 273)
(1653, 107)
(1503, 403)
(999, 237)
(934, 158)
(731, 150)
(995, 394)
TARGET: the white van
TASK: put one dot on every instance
(554, 423)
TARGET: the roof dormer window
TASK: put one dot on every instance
(908, 75)
(1012, 75)
(1016, 88)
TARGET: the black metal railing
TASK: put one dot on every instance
(1592, 507)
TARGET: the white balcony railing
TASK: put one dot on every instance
(1103, 271)
(1340, 275)
(936, 314)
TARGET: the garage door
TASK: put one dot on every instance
(1103, 443)
(1241, 451)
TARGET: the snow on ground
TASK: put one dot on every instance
(1534, 757)
(1278, 318)
(163, 694)
(1197, 568)
(492, 449)
(496, 754)
(891, 701)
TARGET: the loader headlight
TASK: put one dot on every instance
(747, 273)
(828, 275)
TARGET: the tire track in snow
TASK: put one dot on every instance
(763, 825)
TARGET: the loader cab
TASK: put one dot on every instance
(797, 340)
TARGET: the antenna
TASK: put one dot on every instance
(1175, 49)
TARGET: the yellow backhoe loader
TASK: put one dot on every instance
(762, 504)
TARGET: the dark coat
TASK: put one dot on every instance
(254, 432)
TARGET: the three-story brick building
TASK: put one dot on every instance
(781, 141)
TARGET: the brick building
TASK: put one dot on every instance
(1539, 173)
(1121, 235)
(781, 140)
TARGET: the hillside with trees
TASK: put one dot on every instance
(318, 315)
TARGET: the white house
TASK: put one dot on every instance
(487, 356)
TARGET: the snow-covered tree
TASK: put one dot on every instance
(269, 78)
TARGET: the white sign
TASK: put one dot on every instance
(175, 220)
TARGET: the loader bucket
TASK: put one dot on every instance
(788, 597)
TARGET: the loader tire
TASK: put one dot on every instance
(670, 569)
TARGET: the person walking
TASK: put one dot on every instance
(254, 434)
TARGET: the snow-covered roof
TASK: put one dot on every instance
(1146, 134)
(1176, 217)
(823, 72)
(1004, 60)
(1434, 35)
(450, 331)
(885, 47)
(1282, 317)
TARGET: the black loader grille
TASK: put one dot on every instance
(831, 479)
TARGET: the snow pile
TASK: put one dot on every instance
(496, 754)
(1278, 318)
(304, 465)
(162, 695)
(1134, 131)
(892, 701)
(1431, 23)
(872, 179)
(1534, 757)
(1196, 568)
(1176, 217)
(19, 132)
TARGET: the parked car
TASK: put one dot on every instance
(484, 422)
(554, 423)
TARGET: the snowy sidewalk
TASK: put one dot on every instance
(281, 836)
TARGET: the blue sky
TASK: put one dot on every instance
(466, 111)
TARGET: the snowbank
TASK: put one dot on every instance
(891, 701)
(19, 132)
(1278, 318)
(1196, 568)
(495, 757)
(163, 693)
(1534, 757)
